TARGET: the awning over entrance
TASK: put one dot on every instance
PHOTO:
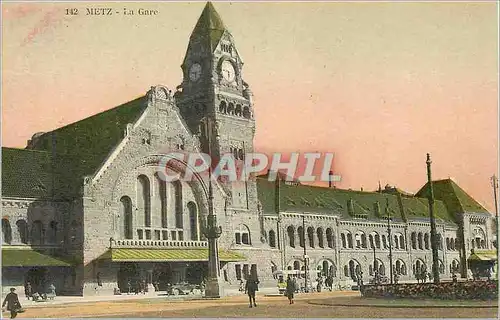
(30, 258)
(161, 255)
(486, 255)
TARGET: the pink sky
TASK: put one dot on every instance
(378, 84)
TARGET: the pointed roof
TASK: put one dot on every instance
(454, 197)
(209, 25)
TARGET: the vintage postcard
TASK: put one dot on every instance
(258, 159)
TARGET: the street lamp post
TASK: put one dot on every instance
(390, 238)
(434, 238)
(211, 231)
(306, 258)
(494, 182)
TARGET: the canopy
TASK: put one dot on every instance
(486, 255)
(165, 255)
(30, 258)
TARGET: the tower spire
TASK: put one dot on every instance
(209, 26)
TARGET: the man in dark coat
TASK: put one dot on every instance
(12, 302)
(291, 286)
(250, 288)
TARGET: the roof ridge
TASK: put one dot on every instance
(91, 116)
(29, 150)
(453, 184)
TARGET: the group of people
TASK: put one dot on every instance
(36, 296)
(139, 287)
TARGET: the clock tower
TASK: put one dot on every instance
(213, 87)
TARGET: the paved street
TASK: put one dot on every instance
(327, 305)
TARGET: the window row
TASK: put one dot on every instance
(315, 237)
(242, 235)
(422, 241)
(243, 272)
(233, 110)
(374, 241)
(144, 199)
(37, 234)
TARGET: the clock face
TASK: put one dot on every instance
(228, 72)
(195, 72)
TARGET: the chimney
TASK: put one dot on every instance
(330, 174)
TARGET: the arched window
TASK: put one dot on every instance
(426, 241)
(441, 267)
(379, 266)
(354, 269)
(291, 236)
(310, 236)
(223, 107)
(179, 223)
(402, 242)
(230, 109)
(22, 229)
(329, 237)
(448, 247)
(384, 241)
(37, 233)
(238, 110)
(413, 240)
(396, 241)
(377, 241)
(272, 239)
(321, 242)
(162, 196)
(400, 267)
(242, 234)
(53, 232)
(144, 199)
(6, 231)
(300, 231)
(126, 212)
(193, 220)
(420, 241)
(360, 240)
(296, 265)
(371, 241)
(349, 240)
(344, 242)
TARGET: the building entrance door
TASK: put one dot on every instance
(37, 277)
(128, 277)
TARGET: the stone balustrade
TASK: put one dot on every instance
(136, 243)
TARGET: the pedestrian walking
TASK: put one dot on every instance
(129, 286)
(28, 290)
(291, 286)
(250, 288)
(12, 302)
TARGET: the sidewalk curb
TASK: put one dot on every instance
(399, 306)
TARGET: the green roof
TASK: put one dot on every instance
(209, 27)
(80, 148)
(455, 198)
(26, 173)
(348, 204)
(30, 258)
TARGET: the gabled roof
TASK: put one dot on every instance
(26, 173)
(454, 197)
(209, 26)
(80, 148)
(348, 204)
